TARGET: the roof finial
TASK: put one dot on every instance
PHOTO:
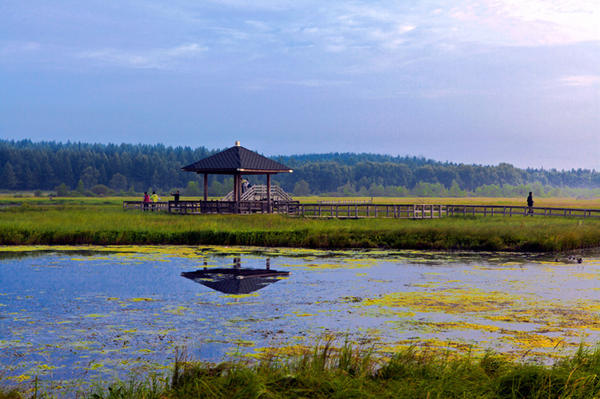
(237, 143)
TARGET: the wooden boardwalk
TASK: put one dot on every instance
(505, 210)
(369, 210)
(347, 210)
(214, 207)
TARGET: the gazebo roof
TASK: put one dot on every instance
(237, 159)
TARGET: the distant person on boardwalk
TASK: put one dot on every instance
(154, 198)
(530, 204)
(176, 196)
(245, 185)
(146, 200)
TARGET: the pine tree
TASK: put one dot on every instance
(9, 179)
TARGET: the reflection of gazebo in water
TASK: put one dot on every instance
(239, 161)
(236, 280)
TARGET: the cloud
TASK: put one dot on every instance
(313, 82)
(18, 47)
(163, 58)
(580, 80)
(527, 23)
(307, 83)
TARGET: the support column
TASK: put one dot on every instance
(235, 188)
(268, 193)
(206, 187)
(236, 192)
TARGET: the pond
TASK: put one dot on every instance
(70, 315)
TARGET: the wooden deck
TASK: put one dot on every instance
(345, 210)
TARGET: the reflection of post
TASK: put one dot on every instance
(237, 263)
(268, 263)
(205, 265)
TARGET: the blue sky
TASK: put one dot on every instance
(470, 81)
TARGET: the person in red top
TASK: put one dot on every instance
(146, 200)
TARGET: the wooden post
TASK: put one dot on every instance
(236, 193)
(206, 187)
(234, 188)
(268, 193)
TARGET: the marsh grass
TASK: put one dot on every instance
(108, 224)
(351, 372)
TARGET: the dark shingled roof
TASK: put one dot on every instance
(237, 159)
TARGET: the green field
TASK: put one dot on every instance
(102, 221)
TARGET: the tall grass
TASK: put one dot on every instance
(349, 372)
(107, 224)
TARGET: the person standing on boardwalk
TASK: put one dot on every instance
(154, 198)
(146, 200)
(530, 204)
(176, 196)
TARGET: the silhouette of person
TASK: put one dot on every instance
(530, 204)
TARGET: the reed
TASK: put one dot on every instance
(351, 372)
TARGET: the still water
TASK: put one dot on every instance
(93, 314)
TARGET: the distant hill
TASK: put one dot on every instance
(25, 165)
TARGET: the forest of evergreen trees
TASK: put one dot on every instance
(127, 168)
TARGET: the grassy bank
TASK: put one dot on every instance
(107, 224)
(351, 373)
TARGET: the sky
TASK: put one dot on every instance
(469, 81)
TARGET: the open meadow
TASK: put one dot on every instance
(102, 221)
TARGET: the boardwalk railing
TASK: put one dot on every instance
(146, 206)
(356, 210)
(505, 210)
(346, 202)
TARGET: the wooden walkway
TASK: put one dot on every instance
(344, 210)
(504, 210)
(214, 207)
(369, 210)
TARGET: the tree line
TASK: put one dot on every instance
(134, 168)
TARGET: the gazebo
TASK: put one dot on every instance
(238, 161)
